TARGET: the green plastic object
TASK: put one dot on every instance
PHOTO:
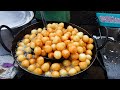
(62, 16)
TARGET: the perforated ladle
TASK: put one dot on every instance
(43, 19)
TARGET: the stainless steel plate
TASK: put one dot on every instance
(15, 19)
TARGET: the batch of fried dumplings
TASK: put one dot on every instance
(55, 42)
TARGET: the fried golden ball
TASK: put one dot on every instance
(77, 68)
(70, 28)
(48, 48)
(68, 68)
(35, 56)
(45, 33)
(57, 55)
(32, 45)
(82, 57)
(76, 38)
(67, 42)
(72, 71)
(55, 66)
(32, 61)
(84, 49)
(76, 44)
(59, 33)
(39, 30)
(72, 49)
(63, 72)
(61, 24)
(21, 58)
(29, 56)
(80, 34)
(85, 38)
(60, 46)
(66, 63)
(50, 30)
(34, 31)
(64, 38)
(37, 50)
(55, 74)
(90, 46)
(88, 62)
(48, 73)
(81, 42)
(65, 53)
(74, 32)
(52, 35)
(49, 25)
(88, 52)
(37, 65)
(43, 53)
(48, 43)
(51, 55)
(90, 41)
(31, 68)
(56, 40)
(28, 49)
(19, 52)
(40, 60)
(75, 62)
(74, 56)
(32, 36)
(25, 63)
(21, 44)
(38, 42)
(45, 67)
(88, 57)
(21, 48)
(83, 65)
(37, 71)
(39, 36)
(26, 41)
(44, 39)
(28, 45)
(53, 47)
(54, 26)
(80, 49)
(26, 36)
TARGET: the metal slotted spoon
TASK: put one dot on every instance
(43, 18)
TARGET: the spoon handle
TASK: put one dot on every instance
(43, 18)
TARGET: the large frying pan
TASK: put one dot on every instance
(28, 29)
